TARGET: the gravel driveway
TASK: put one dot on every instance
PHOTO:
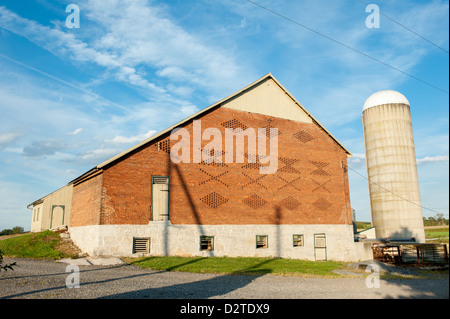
(47, 279)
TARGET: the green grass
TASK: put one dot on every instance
(440, 233)
(42, 245)
(239, 265)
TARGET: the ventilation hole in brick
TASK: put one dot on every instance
(252, 161)
(254, 201)
(251, 166)
(290, 203)
(321, 186)
(289, 183)
(320, 170)
(254, 180)
(214, 158)
(303, 136)
(268, 134)
(234, 124)
(288, 162)
(163, 146)
(213, 177)
(322, 204)
(214, 200)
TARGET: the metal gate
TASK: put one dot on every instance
(320, 247)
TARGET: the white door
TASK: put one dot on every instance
(57, 218)
(320, 246)
(160, 198)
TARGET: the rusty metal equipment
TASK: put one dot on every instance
(410, 253)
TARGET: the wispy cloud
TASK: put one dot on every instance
(76, 131)
(44, 148)
(8, 138)
(132, 139)
(99, 154)
(432, 159)
(133, 39)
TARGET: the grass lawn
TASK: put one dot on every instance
(440, 233)
(239, 265)
(43, 245)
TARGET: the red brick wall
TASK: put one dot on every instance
(309, 187)
(86, 201)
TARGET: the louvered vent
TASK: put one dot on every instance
(160, 180)
(141, 245)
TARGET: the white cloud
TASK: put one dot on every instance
(361, 158)
(44, 148)
(433, 159)
(132, 139)
(76, 131)
(99, 154)
(143, 34)
(8, 138)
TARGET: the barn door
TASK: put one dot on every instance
(320, 246)
(160, 197)
(57, 216)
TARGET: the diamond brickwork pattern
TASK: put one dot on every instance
(254, 201)
(303, 136)
(214, 200)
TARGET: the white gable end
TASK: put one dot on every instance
(268, 98)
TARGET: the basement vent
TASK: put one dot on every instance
(261, 241)
(298, 240)
(206, 243)
(141, 245)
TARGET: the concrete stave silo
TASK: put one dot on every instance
(391, 166)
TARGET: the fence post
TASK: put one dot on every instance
(445, 252)
(418, 255)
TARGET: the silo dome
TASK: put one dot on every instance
(385, 97)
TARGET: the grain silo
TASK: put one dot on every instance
(391, 166)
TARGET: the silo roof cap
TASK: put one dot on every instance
(385, 97)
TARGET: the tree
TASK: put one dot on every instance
(17, 230)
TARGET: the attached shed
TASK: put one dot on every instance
(52, 211)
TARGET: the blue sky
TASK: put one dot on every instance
(71, 98)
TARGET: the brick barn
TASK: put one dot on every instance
(140, 202)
